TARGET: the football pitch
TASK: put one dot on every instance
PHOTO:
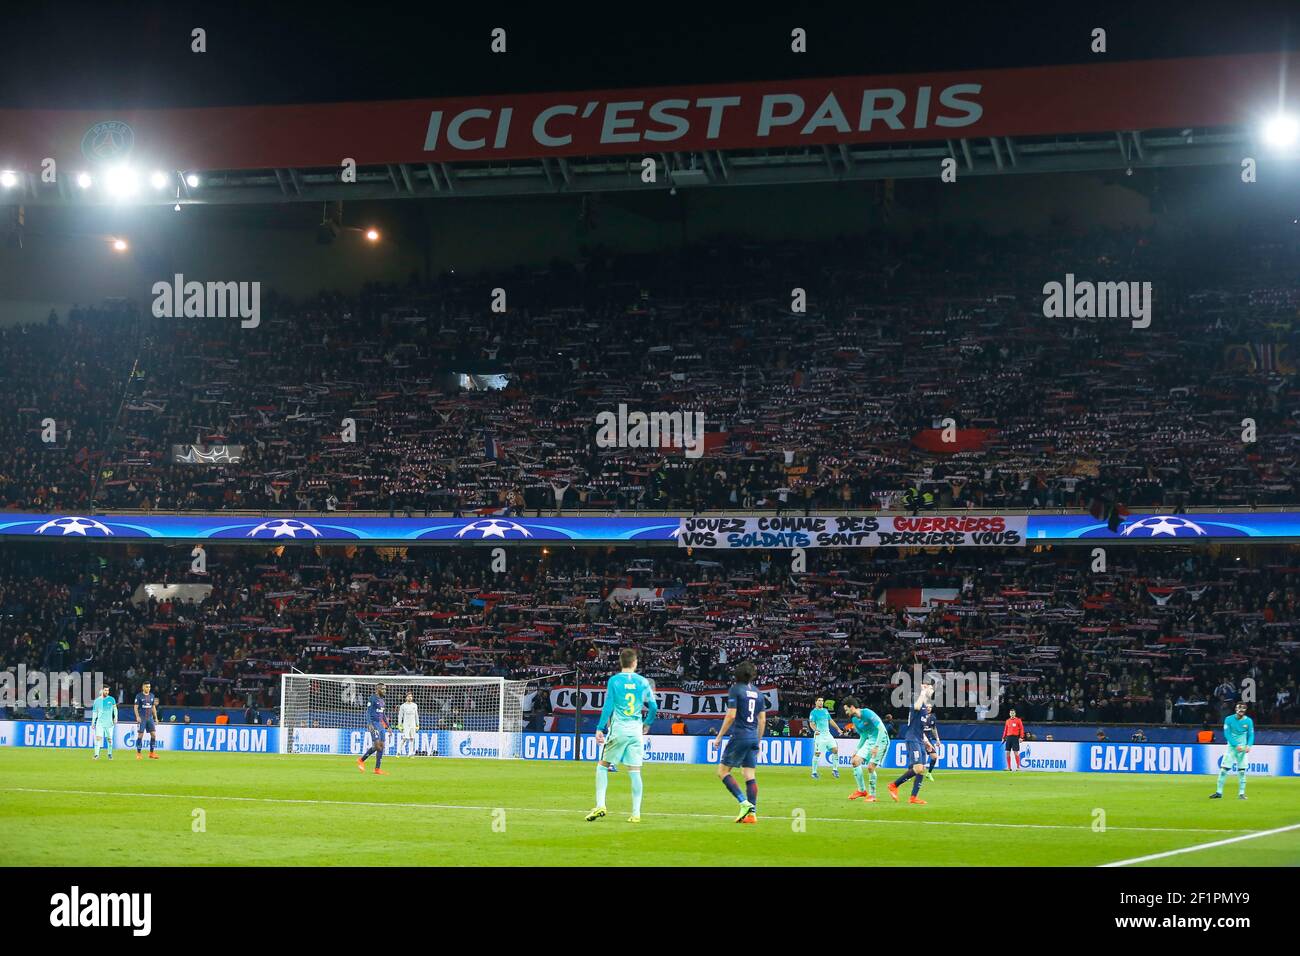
(60, 808)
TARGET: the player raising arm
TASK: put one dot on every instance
(377, 727)
(103, 718)
(1239, 734)
(408, 718)
(930, 727)
(146, 716)
(823, 742)
(747, 719)
(629, 711)
(915, 737)
(873, 744)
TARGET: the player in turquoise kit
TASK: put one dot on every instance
(823, 742)
(1239, 732)
(873, 745)
(629, 711)
(103, 718)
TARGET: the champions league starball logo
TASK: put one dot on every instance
(86, 527)
(493, 528)
(1160, 526)
(284, 528)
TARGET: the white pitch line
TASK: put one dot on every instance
(1203, 846)
(701, 816)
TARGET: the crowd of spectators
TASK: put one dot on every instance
(836, 407)
(1168, 635)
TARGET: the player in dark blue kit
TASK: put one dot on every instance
(746, 719)
(146, 716)
(915, 738)
(377, 727)
(931, 728)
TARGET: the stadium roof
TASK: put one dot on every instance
(1102, 116)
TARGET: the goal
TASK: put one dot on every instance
(458, 716)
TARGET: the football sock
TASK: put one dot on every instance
(602, 782)
(1223, 775)
(858, 777)
(635, 777)
(730, 783)
(751, 791)
(916, 785)
(904, 778)
(872, 788)
(1241, 781)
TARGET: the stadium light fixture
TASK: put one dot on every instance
(121, 182)
(120, 245)
(372, 234)
(8, 179)
(84, 181)
(192, 180)
(158, 180)
(1281, 131)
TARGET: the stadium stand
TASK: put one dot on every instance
(1156, 639)
(833, 409)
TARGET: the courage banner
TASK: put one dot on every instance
(854, 531)
(671, 700)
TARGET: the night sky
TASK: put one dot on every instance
(123, 54)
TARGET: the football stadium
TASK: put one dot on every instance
(794, 455)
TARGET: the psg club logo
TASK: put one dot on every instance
(107, 141)
(493, 528)
(284, 528)
(86, 527)
(1163, 526)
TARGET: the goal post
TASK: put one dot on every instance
(457, 716)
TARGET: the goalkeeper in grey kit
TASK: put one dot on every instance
(408, 725)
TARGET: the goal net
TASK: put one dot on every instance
(456, 716)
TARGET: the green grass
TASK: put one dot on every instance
(60, 808)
